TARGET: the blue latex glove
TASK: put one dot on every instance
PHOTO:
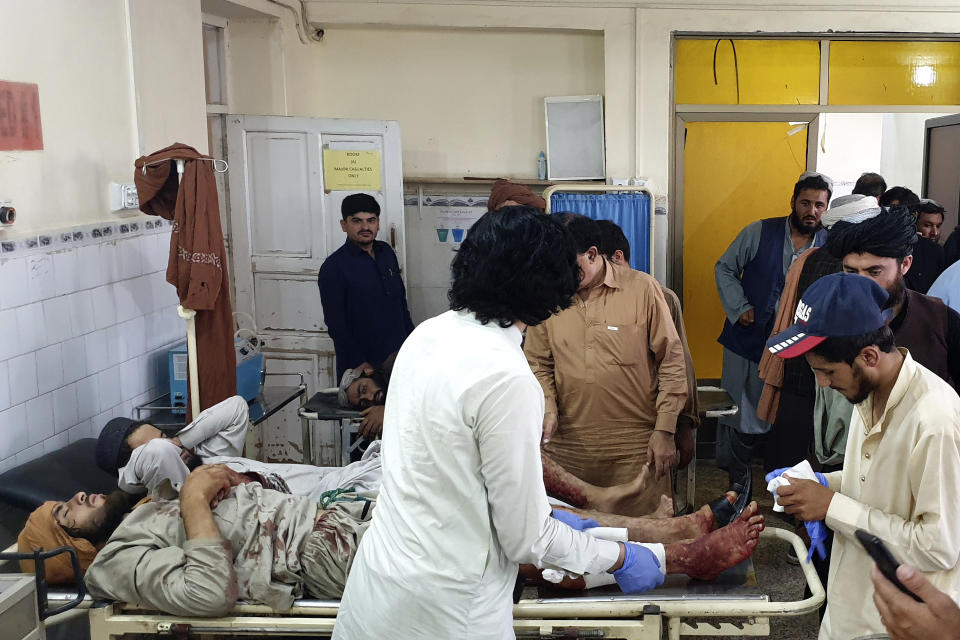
(574, 521)
(640, 571)
(773, 474)
(822, 479)
(817, 530)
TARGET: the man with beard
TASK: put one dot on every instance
(928, 255)
(901, 472)
(146, 460)
(228, 538)
(366, 389)
(363, 296)
(881, 249)
(750, 276)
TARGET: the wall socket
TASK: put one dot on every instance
(123, 196)
(7, 214)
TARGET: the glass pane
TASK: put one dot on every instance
(922, 73)
(747, 72)
(734, 173)
(213, 64)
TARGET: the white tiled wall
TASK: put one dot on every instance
(86, 318)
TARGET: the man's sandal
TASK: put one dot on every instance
(724, 511)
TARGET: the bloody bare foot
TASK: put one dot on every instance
(614, 499)
(717, 551)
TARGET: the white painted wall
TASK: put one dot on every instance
(890, 144)
(849, 145)
(901, 152)
(87, 312)
(468, 102)
(85, 57)
(85, 106)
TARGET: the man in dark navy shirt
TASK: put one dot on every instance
(364, 300)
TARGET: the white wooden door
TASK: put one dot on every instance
(285, 222)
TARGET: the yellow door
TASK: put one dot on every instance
(734, 173)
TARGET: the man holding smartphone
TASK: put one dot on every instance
(905, 618)
(901, 472)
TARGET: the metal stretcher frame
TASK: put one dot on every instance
(628, 617)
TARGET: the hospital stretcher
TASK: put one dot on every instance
(679, 608)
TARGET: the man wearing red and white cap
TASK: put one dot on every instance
(901, 472)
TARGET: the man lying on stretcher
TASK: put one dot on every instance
(228, 538)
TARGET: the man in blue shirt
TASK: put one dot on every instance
(364, 300)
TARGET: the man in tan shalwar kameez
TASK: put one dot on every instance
(198, 265)
(613, 374)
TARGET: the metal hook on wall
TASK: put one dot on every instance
(216, 167)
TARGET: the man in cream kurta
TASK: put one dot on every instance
(901, 472)
(900, 481)
(612, 370)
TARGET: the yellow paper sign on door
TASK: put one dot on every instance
(351, 170)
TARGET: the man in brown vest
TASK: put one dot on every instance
(881, 248)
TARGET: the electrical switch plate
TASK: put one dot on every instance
(123, 196)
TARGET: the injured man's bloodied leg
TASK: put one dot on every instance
(563, 485)
(703, 558)
(664, 530)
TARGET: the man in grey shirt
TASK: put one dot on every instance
(750, 276)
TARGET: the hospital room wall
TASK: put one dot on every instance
(469, 102)
(86, 312)
(116, 78)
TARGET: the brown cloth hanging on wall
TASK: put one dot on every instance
(197, 266)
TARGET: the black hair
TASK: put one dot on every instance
(612, 238)
(357, 202)
(928, 206)
(847, 348)
(815, 182)
(584, 231)
(515, 265)
(892, 234)
(378, 378)
(124, 451)
(901, 195)
(117, 504)
(870, 184)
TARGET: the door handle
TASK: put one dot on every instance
(393, 236)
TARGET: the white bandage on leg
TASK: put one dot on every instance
(658, 551)
(614, 534)
(592, 580)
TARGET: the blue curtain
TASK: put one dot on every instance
(630, 210)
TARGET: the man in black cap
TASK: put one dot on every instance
(364, 300)
(220, 430)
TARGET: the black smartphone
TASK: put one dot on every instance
(884, 559)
